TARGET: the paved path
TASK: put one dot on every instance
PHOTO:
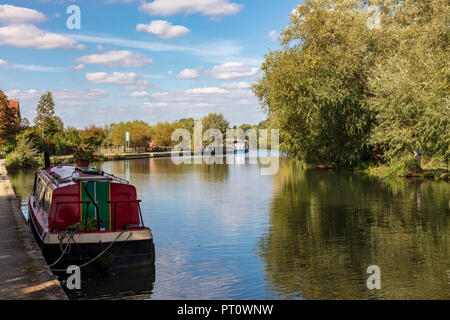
(24, 274)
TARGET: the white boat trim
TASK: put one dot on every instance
(132, 235)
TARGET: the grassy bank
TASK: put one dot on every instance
(406, 167)
(16, 162)
(409, 168)
(113, 157)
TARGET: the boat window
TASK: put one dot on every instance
(47, 199)
(40, 191)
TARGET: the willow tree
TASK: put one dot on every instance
(347, 85)
(410, 85)
(315, 87)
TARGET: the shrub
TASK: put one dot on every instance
(25, 155)
(85, 153)
(407, 166)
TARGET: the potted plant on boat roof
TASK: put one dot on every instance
(83, 156)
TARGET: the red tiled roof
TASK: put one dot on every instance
(14, 104)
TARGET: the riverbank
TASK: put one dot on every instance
(112, 157)
(24, 274)
(410, 169)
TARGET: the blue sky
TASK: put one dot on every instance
(155, 60)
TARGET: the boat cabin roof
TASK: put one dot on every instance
(64, 175)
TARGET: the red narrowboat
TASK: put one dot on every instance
(88, 218)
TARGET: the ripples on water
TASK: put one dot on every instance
(227, 232)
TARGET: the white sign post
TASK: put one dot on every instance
(127, 142)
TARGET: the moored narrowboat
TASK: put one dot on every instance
(90, 219)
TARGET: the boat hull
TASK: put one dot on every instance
(98, 253)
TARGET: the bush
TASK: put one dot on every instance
(24, 156)
(406, 166)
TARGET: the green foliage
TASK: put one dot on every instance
(92, 136)
(47, 123)
(140, 133)
(406, 166)
(186, 123)
(314, 90)
(66, 141)
(25, 155)
(215, 121)
(162, 133)
(91, 225)
(84, 153)
(410, 84)
(342, 93)
(9, 123)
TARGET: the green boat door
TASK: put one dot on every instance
(98, 192)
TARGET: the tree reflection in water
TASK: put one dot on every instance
(327, 228)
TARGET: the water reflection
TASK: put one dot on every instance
(327, 228)
(135, 284)
(224, 231)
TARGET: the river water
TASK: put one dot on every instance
(224, 231)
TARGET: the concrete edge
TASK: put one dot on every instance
(42, 271)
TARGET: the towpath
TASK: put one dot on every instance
(24, 274)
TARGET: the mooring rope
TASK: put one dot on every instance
(107, 248)
(72, 232)
(61, 238)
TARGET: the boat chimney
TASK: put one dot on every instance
(46, 159)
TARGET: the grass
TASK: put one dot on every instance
(408, 167)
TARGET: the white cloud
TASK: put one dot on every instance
(188, 74)
(70, 95)
(209, 98)
(232, 70)
(79, 67)
(64, 97)
(218, 51)
(150, 105)
(131, 79)
(11, 14)
(163, 29)
(122, 1)
(274, 35)
(29, 36)
(139, 94)
(170, 73)
(212, 8)
(117, 58)
(206, 91)
(32, 67)
(236, 85)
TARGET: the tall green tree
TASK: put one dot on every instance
(45, 120)
(140, 133)
(343, 90)
(162, 133)
(215, 121)
(410, 85)
(314, 88)
(92, 136)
